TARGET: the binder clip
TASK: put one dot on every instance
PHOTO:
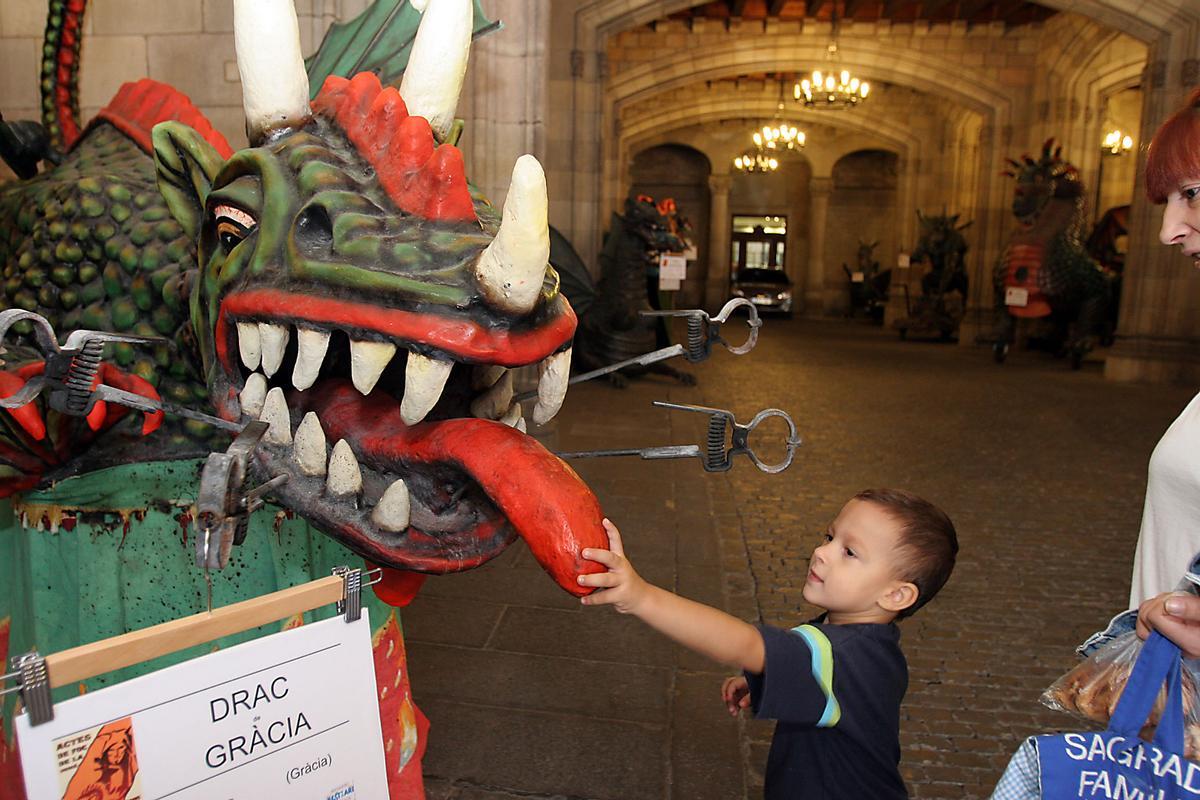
(33, 684)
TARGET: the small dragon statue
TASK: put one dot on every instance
(942, 248)
(611, 328)
(1044, 271)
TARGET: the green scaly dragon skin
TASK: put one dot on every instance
(91, 244)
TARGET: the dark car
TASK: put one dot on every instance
(769, 289)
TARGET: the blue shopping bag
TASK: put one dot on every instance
(1117, 763)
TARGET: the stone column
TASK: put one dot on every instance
(716, 285)
(819, 189)
(1158, 330)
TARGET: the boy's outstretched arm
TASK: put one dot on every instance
(706, 630)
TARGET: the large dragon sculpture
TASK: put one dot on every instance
(611, 327)
(338, 279)
(1044, 271)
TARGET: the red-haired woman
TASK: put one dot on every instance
(1170, 534)
(1168, 549)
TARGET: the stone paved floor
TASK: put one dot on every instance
(1042, 470)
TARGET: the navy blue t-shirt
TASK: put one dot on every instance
(835, 691)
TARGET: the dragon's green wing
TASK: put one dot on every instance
(377, 40)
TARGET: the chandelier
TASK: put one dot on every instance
(779, 136)
(833, 88)
(760, 161)
(1116, 143)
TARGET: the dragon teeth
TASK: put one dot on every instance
(494, 403)
(249, 345)
(367, 362)
(253, 394)
(309, 450)
(344, 475)
(553, 375)
(275, 414)
(392, 511)
(310, 355)
(274, 342)
(424, 379)
(513, 416)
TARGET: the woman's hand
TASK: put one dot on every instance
(1176, 615)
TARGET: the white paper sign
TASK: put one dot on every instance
(293, 714)
(1016, 296)
(669, 284)
(856, 277)
(672, 267)
(903, 261)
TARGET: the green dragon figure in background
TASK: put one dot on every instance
(340, 280)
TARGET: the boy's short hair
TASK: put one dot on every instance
(928, 541)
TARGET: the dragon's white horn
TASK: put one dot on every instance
(511, 270)
(438, 62)
(274, 81)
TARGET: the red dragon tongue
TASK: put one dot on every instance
(547, 503)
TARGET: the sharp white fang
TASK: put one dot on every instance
(367, 362)
(493, 403)
(553, 374)
(253, 395)
(484, 377)
(310, 355)
(512, 416)
(249, 345)
(521, 426)
(275, 414)
(424, 379)
(309, 449)
(344, 474)
(391, 513)
(274, 341)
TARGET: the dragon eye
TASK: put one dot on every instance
(232, 225)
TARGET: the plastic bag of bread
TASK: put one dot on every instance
(1092, 688)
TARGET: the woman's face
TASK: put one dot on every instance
(1181, 219)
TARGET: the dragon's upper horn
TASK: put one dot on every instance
(274, 81)
(437, 64)
(511, 270)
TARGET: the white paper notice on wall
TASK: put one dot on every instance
(672, 266)
(1016, 296)
(294, 714)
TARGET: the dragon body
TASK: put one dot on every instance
(339, 279)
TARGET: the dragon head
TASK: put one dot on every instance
(359, 296)
(1039, 181)
(655, 224)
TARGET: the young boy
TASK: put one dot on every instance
(834, 684)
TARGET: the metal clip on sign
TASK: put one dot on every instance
(36, 675)
(33, 684)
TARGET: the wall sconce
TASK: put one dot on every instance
(1116, 143)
